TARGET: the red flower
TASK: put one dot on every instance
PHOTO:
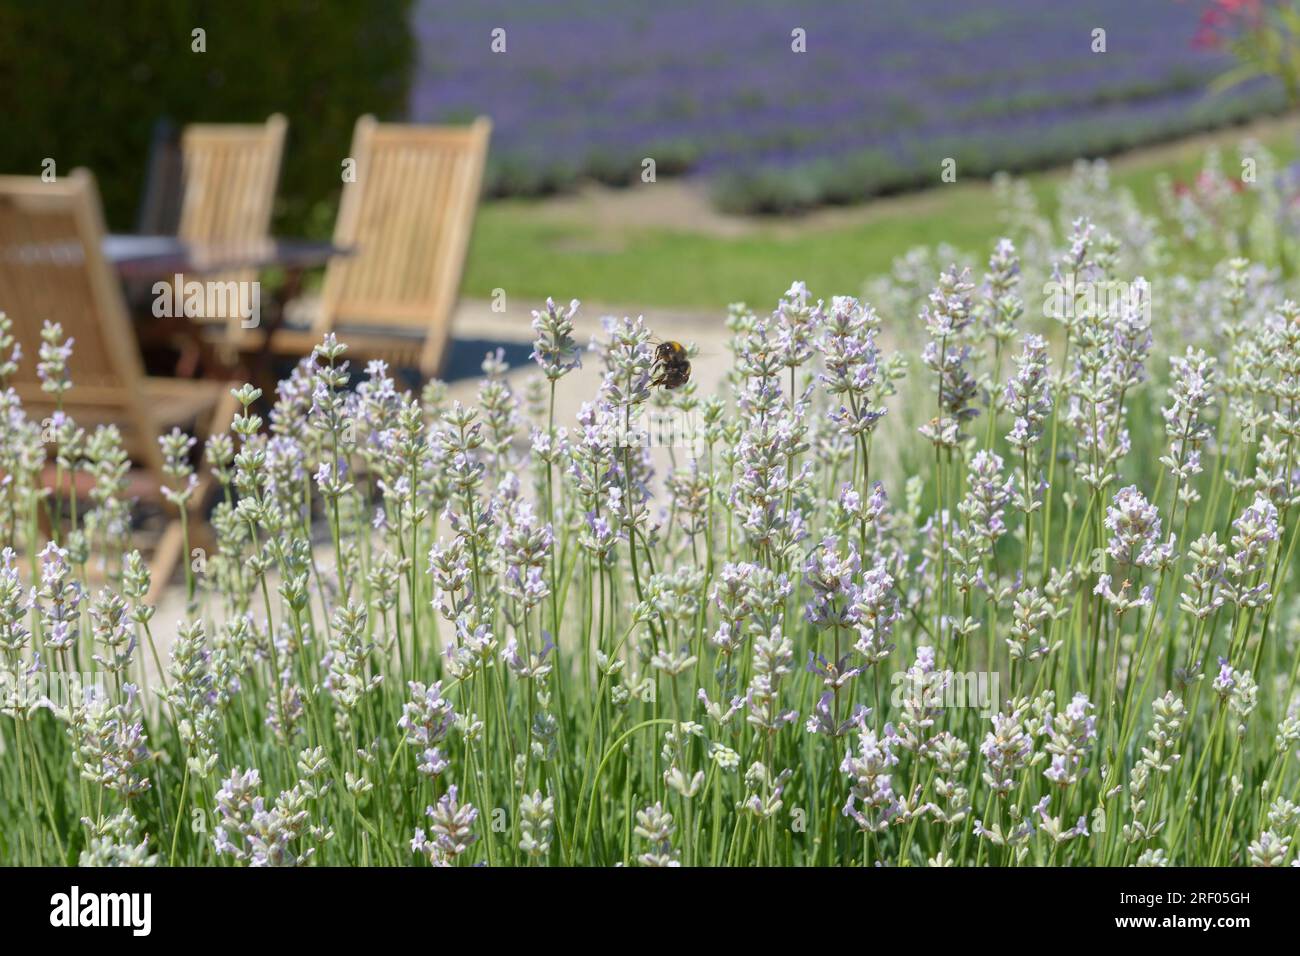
(1217, 20)
(1207, 40)
(1249, 11)
(1213, 17)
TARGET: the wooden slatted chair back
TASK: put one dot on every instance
(229, 174)
(408, 214)
(52, 268)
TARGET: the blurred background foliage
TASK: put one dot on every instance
(885, 90)
(84, 84)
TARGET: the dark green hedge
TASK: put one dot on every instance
(84, 83)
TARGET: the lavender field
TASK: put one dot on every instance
(883, 93)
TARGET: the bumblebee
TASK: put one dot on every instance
(671, 368)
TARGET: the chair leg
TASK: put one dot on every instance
(165, 558)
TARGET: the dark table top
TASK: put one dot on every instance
(151, 257)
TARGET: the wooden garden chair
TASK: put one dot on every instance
(52, 268)
(407, 218)
(229, 174)
(217, 185)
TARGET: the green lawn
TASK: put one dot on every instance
(520, 249)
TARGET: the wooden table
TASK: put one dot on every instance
(153, 257)
(144, 259)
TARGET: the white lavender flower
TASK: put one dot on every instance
(1207, 591)
(1028, 394)
(117, 840)
(348, 662)
(830, 576)
(987, 495)
(555, 349)
(254, 834)
(1190, 396)
(110, 742)
(773, 657)
(1069, 741)
(55, 354)
(946, 319)
(176, 447)
(875, 610)
(536, 819)
(426, 719)
(451, 825)
(58, 599)
(872, 802)
(1134, 526)
(194, 696)
(1270, 849)
(525, 547)
(1007, 749)
(15, 639)
(654, 824)
(852, 365)
(1255, 531)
